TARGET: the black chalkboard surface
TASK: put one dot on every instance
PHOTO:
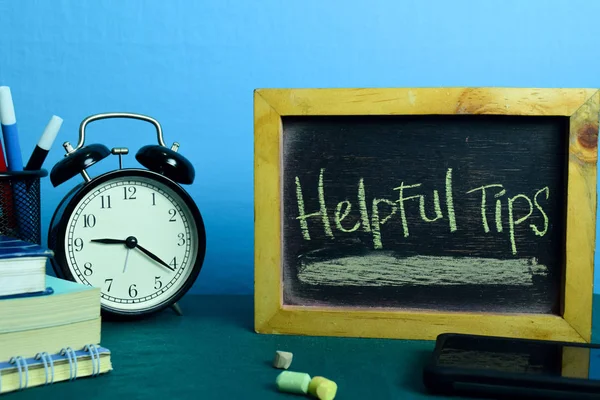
(445, 212)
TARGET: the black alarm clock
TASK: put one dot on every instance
(134, 233)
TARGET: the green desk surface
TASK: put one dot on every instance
(212, 352)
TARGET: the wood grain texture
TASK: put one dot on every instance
(383, 323)
(413, 101)
(267, 205)
(272, 317)
(581, 216)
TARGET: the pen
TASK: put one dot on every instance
(20, 192)
(10, 132)
(44, 144)
(7, 215)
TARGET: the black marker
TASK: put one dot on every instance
(44, 144)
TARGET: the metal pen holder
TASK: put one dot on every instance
(20, 204)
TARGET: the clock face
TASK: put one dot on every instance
(135, 238)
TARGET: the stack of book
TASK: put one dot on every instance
(49, 327)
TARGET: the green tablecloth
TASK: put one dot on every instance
(212, 352)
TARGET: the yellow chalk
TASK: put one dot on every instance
(314, 383)
(322, 388)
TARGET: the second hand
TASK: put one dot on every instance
(126, 258)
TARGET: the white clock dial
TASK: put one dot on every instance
(111, 227)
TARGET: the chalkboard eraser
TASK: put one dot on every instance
(283, 359)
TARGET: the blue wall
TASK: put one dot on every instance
(194, 64)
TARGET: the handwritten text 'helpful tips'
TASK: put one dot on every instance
(382, 210)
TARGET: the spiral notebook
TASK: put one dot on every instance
(45, 369)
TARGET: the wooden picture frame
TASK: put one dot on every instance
(582, 106)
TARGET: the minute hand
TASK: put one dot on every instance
(155, 258)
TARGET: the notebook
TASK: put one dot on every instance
(63, 302)
(22, 266)
(30, 342)
(20, 373)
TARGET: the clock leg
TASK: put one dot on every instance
(177, 309)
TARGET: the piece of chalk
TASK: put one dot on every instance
(322, 388)
(283, 359)
(293, 382)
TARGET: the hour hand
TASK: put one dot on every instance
(109, 241)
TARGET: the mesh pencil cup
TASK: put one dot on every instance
(20, 204)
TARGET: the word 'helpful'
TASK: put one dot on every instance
(371, 221)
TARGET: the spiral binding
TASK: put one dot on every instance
(46, 359)
(48, 363)
(20, 362)
(95, 355)
(72, 362)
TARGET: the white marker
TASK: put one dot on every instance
(44, 144)
(10, 132)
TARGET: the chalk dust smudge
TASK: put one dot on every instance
(385, 269)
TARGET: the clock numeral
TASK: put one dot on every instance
(157, 282)
(181, 241)
(173, 262)
(78, 244)
(89, 220)
(131, 190)
(87, 269)
(109, 281)
(133, 291)
(172, 213)
(153, 199)
(105, 201)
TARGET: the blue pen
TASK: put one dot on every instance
(10, 131)
(14, 160)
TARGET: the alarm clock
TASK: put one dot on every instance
(135, 233)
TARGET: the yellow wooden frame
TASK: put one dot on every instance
(581, 105)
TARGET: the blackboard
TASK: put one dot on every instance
(444, 212)
(466, 210)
